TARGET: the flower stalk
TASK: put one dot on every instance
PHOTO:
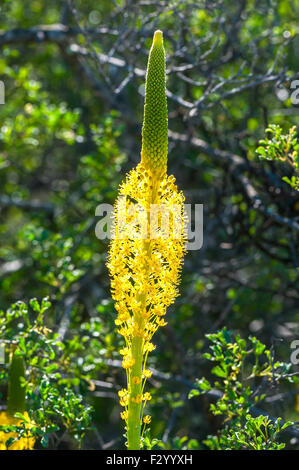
(134, 407)
(146, 253)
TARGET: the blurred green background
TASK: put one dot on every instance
(70, 129)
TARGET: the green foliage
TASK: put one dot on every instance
(242, 370)
(282, 147)
(53, 401)
(177, 443)
(250, 434)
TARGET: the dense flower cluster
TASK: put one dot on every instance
(145, 259)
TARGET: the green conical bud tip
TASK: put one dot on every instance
(155, 126)
(158, 38)
(16, 393)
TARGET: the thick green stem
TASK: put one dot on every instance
(16, 393)
(134, 409)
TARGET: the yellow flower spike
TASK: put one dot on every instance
(146, 253)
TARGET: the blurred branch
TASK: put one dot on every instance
(237, 167)
(33, 205)
(43, 33)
